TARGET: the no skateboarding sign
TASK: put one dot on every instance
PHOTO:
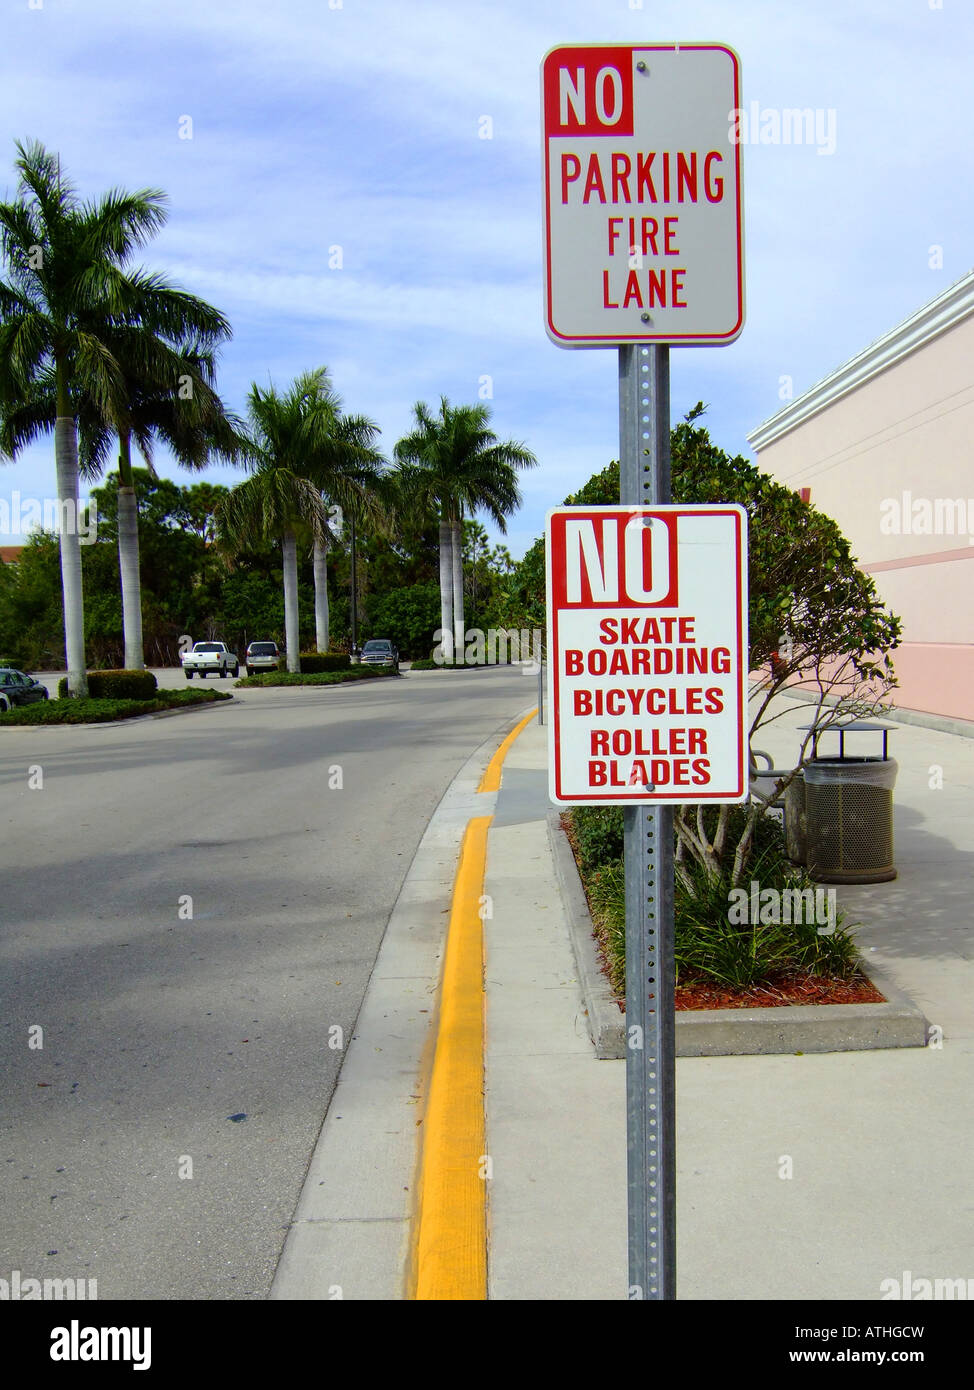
(647, 615)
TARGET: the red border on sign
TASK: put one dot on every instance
(681, 796)
(610, 339)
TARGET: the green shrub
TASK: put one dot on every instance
(606, 892)
(89, 711)
(708, 944)
(598, 834)
(314, 663)
(597, 831)
(426, 663)
(356, 673)
(740, 955)
(115, 685)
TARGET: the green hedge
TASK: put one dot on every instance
(314, 663)
(356, 673)
(115, 685)
(102, 711)
(426, 663)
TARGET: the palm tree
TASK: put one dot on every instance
(66, 293)
(341, 459)
(169, 396)
(279, 498)
(192, 420)
(453, 464)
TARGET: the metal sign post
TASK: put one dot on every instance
(643, 247)
(644, 477)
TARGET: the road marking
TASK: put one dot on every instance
(449, 1256)
(491, 780)
(448, 1252)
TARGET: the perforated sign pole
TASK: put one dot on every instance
(644, 478)
(643, 248)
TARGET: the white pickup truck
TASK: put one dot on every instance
(208, 658)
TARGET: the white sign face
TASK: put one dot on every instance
(643, 218)
(647, 654)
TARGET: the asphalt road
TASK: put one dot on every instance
(159, 1026)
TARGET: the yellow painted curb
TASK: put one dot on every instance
(491, 780)
(449, 1254)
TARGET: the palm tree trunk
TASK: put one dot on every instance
(128, 558)
(320, 563)
(459, 625)
(353, 601)
(66, 466)
(446, 591)
(292, 641)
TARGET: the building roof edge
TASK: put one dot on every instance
(950, 308)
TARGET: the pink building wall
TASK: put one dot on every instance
(878, 458)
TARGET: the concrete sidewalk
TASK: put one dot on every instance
(881, 1143)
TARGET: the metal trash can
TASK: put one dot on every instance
(849, 817)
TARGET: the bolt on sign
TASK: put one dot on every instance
(643, 216)
(647, 643)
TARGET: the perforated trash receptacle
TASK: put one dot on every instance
(849, 819)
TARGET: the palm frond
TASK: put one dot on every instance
(119, 222)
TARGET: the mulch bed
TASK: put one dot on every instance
(806, 989)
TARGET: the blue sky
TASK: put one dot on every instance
(317, 124)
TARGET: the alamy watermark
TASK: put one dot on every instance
(789, 125)
(23, 1288)
(912, 1290)
(77, 1343)
(500, 646)
(907, 515)
(63, 515)
(783, 907)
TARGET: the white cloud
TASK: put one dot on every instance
(358, 127)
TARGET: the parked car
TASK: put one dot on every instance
(18, 689)
(379, 651)
(208, 658)
(262, 656)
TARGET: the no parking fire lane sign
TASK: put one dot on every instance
(642, 179)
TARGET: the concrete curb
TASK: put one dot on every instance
(731, 1032)
(606, 1021)
(351, 1231)
(449, 1252)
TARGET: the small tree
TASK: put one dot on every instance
(815, 620)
